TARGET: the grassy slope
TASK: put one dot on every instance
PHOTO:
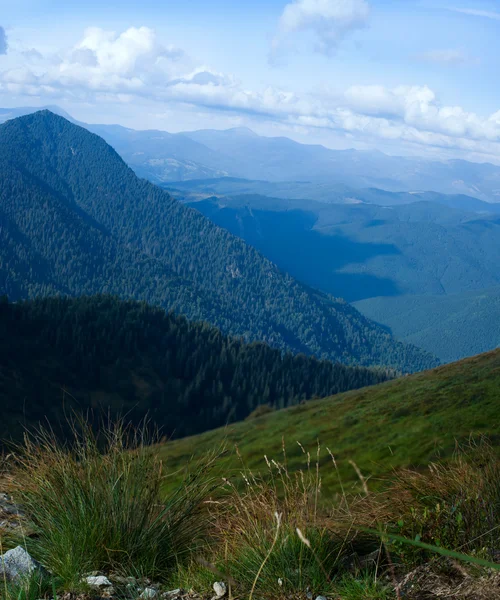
(408, 421)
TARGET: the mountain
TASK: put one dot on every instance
(244, 154)
(408, 422)
(423, 270)
(74, 219)
(160, 156)
(451, 326)
(7, 114)
(124, 357)
(361, 251)
(330, 193)
(241, 153)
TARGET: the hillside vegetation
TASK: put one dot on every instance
(76, 220)
(406, 422)
(363, 251)
(128, 358)
(451, 326)
(426, 271)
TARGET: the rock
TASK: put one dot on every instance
(17, 563)
(98, 581)
(172, 593)
(369, 560)
(149, 593)
(220, 589)
(320, 598)
(309, 596)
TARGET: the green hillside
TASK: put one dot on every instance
(405, 422)
(74, 219)
(127, 358)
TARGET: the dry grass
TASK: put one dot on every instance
(276, 539)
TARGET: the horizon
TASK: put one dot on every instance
(33, 109)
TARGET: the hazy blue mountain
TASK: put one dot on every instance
(239, 152)
(325, 192)
(161, 156)
(452, 326)
(74, 219)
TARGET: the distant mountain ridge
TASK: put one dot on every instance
(164, 157)
(76, 220)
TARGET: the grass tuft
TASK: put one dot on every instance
(97, 505)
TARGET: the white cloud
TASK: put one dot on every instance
(3, 41)
(474, 12)
(133, 66)
(446, 57)
(329, 20)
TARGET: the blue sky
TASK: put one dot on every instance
(401, 76)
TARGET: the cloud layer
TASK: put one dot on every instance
(134, 66)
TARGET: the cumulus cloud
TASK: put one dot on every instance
(329, 20)
(3, 41)
(450, 57)
(134, 66)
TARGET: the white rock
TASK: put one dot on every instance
(320, 598)
(17, 563)
(220, 589)
(149, 593)
(98, 581)
(171, 593)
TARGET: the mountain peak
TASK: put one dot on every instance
(243, 131)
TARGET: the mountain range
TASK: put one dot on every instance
(398, 255)
(164, 157)
(74, 219)
(397, 263)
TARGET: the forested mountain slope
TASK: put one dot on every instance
(451, 326)
(427, 271)
(128, 358)
(363, 251)
(75, 219)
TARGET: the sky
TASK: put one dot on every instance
(400, 76)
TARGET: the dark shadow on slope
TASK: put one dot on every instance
(289, 240)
